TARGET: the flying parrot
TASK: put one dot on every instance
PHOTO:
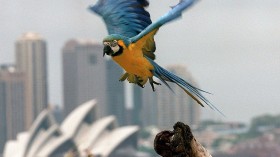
(131, 43)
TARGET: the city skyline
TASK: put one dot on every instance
(229, 46)
(23, 86)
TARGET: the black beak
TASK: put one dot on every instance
(107, 50)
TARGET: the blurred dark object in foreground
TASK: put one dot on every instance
(179, 143)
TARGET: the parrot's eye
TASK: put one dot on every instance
(106, 43)
(114, 43)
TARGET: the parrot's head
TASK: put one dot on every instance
(114, 44)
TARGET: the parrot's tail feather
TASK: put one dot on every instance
(199, 89)
(190, 94)
(163, 80)
(180, 80)
(215, 108)
(192, 91)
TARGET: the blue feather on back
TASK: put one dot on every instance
(127, 18)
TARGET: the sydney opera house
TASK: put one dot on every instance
(78, 135)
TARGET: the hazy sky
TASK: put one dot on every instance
(231, 47)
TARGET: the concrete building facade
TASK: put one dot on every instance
(31, 59)
(83, 74)
(115, 92)
(12, 103)
(87, 75)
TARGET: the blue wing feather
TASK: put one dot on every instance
(173, 14)
(124, 17)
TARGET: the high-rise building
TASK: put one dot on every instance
(83, 74)
(115, 92)
(12, 103)
(137, 105)
(31, 59)
(87, 75)
(149, 106)
(177, 106)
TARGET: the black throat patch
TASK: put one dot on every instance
(118, 52)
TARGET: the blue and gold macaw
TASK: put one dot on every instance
(131, 43)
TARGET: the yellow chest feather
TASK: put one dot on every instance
(133, 61)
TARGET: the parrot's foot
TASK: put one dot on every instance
(123, 77)
(139, 81)
(152, 82)
(132, 79)
(139, 84)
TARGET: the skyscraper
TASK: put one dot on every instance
(31, 59)
(177, 106)
(136, 111)
(87, 75)
(12, 103)
(149, 106)
(83, 74)
(115, 92)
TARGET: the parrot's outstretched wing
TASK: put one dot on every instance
(127, 18)
(173, 14)
(192, 91)
(124, 17)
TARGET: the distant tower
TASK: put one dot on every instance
(12, 103)
(83, 75)
(31, 59)
(137, 105)
(87, 75)
(177, 106)
(149, 106)
(115, 92)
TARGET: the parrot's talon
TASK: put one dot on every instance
(152, 82)
(142, 86)
(123, 77)
(138, 81)
(156, 83)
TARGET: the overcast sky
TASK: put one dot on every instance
(231, 47)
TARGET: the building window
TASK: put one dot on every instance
(92, 59)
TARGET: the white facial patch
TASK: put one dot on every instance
(115, 48)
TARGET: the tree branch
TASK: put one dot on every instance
(179, 143)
